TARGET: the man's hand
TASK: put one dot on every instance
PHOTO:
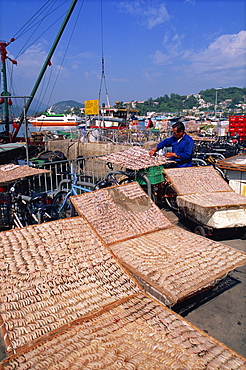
(152, 152)
(170, 155)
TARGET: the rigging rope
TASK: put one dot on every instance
(103, 78)
(18, 33)
(44, 12)
(75, 23)
(30, 24)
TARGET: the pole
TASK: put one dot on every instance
(47, 61)
(5, 94)
(216, 100)
(24, 110)
(26, 132)
(215, 106)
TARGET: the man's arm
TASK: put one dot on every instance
(188, 150)
(164, 143)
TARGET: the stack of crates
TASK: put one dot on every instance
(237, 126)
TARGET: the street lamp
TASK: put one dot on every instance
(216, 100)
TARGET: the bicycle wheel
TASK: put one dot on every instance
(220, 172)
(63, 206)
(199, 230)
(170, 197)
(25, 215)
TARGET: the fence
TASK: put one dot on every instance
(132, 137)
(92, 167)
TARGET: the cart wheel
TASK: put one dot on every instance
(243, 237)
(170, 197)
(199, 230)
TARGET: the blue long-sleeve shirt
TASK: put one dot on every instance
(183, 148)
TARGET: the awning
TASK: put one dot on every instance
(10, 146)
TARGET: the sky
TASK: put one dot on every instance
(150, 48)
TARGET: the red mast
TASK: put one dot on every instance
(5, 100)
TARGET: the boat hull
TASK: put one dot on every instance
(52, 123)
(55, 123)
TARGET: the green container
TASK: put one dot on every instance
(155, 175)
(68, 134)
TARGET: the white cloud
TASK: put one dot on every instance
(156, 16)
(147, 13)
(193, 2)
(30, 63)
(92, 74)
(87, 55)
(75, 66)
(150, 74)
(32, 60)
(161, 58)
(225, 53)
(223, 60)
(121, 80)
(172, 49)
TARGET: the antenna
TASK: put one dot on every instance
(103, 78)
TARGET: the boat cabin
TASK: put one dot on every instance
(115, 118)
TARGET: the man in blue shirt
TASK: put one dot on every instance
(182, 146)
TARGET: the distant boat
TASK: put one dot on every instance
(113, 118)
(52, 119)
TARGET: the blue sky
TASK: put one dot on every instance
(150, 47)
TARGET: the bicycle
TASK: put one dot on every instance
(20, 210)
(61, 201)
(158, 192)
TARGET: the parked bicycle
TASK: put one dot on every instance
(69, 187)
(161, 192)
(19, 210)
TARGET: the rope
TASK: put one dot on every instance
(30, 24)
(75, 23)
(103, 78)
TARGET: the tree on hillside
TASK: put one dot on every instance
(190, 102)
(150, 102)
(209, 95)
(75, 110)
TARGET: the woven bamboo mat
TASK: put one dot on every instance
(52, 274)
(237, 162)
(211, 200)
(135, 158)
(136, 334)
(196, 180)
(177, 263)
(120, 212)
(11, 172)
(149, 245)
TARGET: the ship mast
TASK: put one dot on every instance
(45, 65)
(5, 100)
(103, 78)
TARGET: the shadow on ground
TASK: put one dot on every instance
(192, 303)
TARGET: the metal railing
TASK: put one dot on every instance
(93, 168)
(129, 136)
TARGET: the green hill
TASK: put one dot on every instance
(176, 103)
(236, 94)
(63, 106)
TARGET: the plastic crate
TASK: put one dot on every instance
(155, 175)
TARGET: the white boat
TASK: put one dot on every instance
(52, 119)
(113, 117)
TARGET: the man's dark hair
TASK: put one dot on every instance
(180, 126)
